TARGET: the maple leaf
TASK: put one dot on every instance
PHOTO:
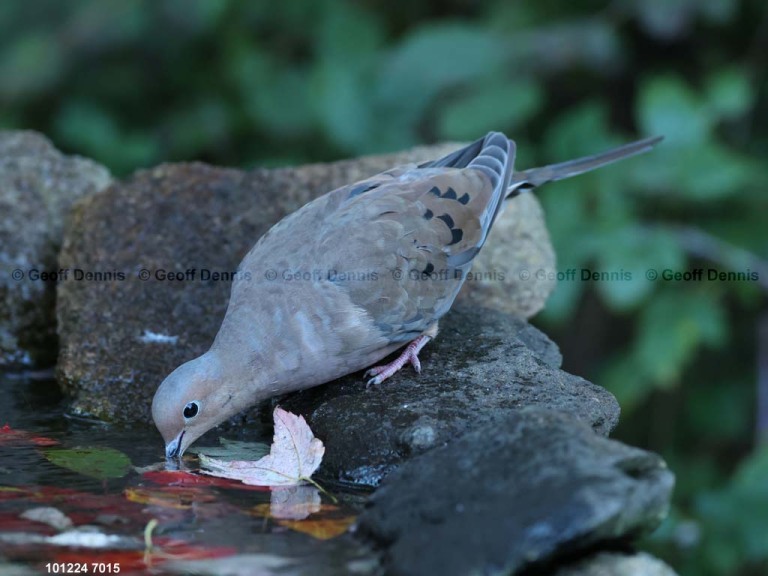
(294, 456)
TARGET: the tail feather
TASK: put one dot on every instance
(533, 177)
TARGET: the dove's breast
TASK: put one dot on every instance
(303, 332)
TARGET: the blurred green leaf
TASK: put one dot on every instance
(429, 61)
(581, 130)
(628, 254)
(668, 107)
(340, 101)
(191, 129)
(348, 35)
(494, 105)
(626, 378)
(728, 93)
(282, 105)
(672, 326)
(86, 126)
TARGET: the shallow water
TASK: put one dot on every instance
(246, 531)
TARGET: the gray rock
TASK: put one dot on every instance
(616, 564)
(482, 366)
(38, 185)
(121, 335)
(524, 490)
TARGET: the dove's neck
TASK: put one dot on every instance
(242, 376)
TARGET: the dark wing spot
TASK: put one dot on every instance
(447, 219)
(436, 191)
(429, 269)
(363, 187)
(428, 214)
(464, 199)
(457, 234)
(450, 194)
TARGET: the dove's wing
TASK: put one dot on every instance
(418, 230)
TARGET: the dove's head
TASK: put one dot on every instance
(193, 399)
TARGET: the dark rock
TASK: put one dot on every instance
(482, 366)
(38, 185)
(121, 335)
(523, 490)
(616, 564)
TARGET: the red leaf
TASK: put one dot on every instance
(186, 479)
(11, 437)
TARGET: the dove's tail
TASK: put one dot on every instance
(534, 177)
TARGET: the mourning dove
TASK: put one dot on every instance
(348, 279)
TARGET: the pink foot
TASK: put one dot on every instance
(409, 356)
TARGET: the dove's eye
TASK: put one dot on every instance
(191, 409)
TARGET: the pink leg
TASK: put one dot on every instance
(410, 355)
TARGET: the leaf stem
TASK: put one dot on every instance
(323, 490)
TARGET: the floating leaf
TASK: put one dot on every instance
(9, 436)
(96, 462)
(294, 457)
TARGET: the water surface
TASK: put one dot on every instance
(200, 528)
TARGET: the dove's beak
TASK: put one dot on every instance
(173, 449)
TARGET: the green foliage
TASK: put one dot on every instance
(133, 83)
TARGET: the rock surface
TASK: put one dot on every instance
(121, 334)
(523, 490)
(483, 366)
(616, 564)
(38, 185)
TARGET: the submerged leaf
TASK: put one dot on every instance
(322, 528)
(169, 497)
(294, 456)
(96, 462)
